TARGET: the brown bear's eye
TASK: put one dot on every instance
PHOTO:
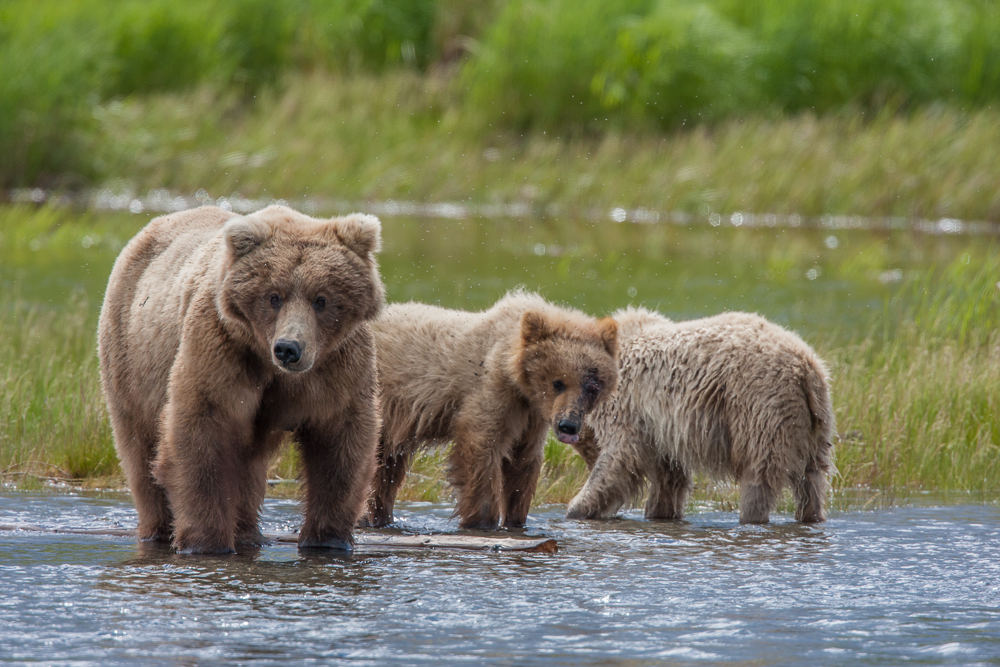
(276, 301)
(319, 303)
(559, 386)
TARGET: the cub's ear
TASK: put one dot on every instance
(608, 330)
(243, 234)
(360, 232)
(534, 327)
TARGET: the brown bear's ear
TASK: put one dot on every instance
(244, 234)
(608, 330)
(360, 232)
(534, 327)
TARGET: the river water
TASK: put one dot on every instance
(919, 583)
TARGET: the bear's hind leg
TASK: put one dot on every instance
(252, 489)
(810, 491)
(668, 492)
(390, 472)
(758, 497)
(136, 453)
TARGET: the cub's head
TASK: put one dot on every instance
(300, 284)
(566, 365)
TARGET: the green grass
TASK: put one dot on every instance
(589, 64)
(915, 393)
(812, 106)
(398, 136)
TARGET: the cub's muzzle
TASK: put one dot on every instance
(567, 431)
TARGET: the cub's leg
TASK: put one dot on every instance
(485, 434)
(760, 485)
(338, 457)
(587, 446)
(669, 490)
(617, 477)
(520, 475)
(390, 471)
(810, 489)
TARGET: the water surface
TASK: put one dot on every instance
(824, 283)
(919, 583)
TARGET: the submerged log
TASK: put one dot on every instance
(363, 541)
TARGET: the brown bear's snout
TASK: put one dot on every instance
(287, 351)
(568, 429)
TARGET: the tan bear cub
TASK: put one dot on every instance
(734, 396)
(492, 383)
(220, 333)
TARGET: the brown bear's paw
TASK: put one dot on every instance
(328, 543)
(479, 523)
(251, 538)
(203, 544)
(374, 520)
(201, 549)
(154, 533)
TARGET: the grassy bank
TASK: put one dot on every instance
(833, 107)
(399, 137)
(915, 391)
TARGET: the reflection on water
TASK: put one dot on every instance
(823, 281)
(919, 583)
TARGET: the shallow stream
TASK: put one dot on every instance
(912, 584)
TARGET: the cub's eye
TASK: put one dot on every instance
(276, 301)
(319, 303)
(592, 389)
(559, 386)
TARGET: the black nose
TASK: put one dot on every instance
(568, 427)
(287, 351)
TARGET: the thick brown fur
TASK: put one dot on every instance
(214, 342)
(492, 383)
(734, 396)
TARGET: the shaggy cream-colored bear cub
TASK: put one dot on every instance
(734, 396)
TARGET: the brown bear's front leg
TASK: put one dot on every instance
(196, 466)
(521, 475)
(338, 458)
(485, 435)
(207, 437)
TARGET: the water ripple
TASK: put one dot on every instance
(908, 584)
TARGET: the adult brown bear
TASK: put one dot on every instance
(733, 395)
(218, 334)
(492, 383)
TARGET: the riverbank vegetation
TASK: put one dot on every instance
(858, 107)
(914, 389)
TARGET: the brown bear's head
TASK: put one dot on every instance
(300, 284)
(567, 365)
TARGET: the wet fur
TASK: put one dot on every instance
(734, 396)
(484, 381)
(198, 401)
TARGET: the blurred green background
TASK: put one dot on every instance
(797, 148)
(868, 107)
